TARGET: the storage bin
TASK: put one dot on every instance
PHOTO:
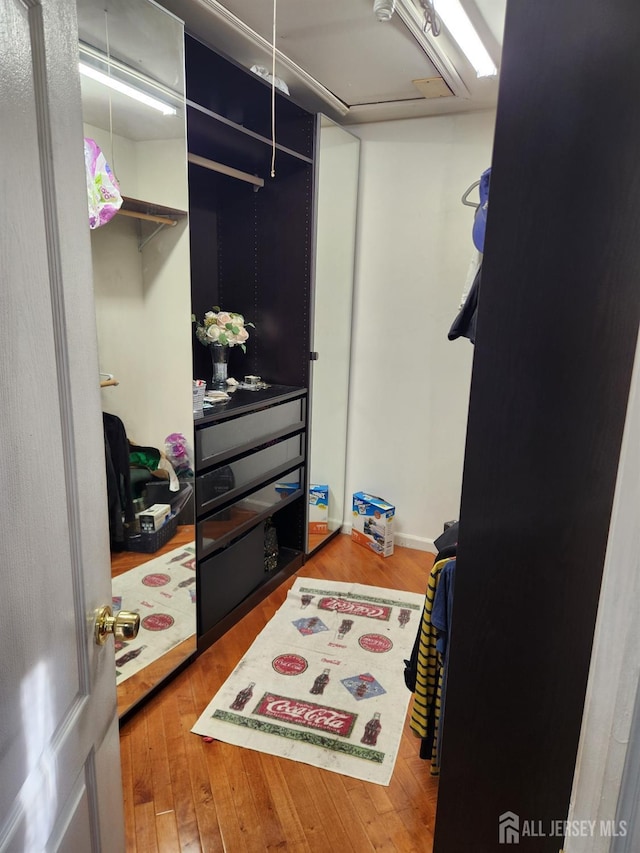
(149, 543)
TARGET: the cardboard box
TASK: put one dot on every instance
(318, 508)
(373, 523)
(153, 517)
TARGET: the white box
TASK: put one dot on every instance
(152, 518)
(318, 508)
(373, 523)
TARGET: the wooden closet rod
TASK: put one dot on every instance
(149, 217)
(224, 170)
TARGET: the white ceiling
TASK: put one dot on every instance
(367, 66)
(334, 55)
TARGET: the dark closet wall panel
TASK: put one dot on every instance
(222, 231)
(557, 329)
(227, 89)
(284, 269)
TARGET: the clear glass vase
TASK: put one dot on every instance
(220, 360)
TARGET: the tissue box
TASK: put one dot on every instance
(318, 508)
(286, 489)
(154, 517)
(373, 523)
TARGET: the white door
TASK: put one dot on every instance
(60, 785)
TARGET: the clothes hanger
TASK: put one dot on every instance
(465, 196)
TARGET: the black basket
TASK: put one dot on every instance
(149, 543)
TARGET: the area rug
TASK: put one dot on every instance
(323, 682)
(163, 592)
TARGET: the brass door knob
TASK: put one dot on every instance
(125, 625)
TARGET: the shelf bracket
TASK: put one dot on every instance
(156, 230)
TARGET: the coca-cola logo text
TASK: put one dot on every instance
(307, 714)
(375, 643)
(291, 664)
(156, 579)
(356, 608)
(157, 622)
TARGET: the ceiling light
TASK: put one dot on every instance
(125, 89)
(457, 21)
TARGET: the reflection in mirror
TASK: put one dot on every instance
(142, 296)
(339, 159)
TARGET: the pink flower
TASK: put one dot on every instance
(242, 335)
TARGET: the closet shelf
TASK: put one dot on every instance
(145, 211)
(233, 127)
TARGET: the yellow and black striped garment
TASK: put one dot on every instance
(425, 714)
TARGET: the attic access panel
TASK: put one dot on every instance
(342, 44)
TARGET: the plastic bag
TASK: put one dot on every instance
(177, 450)
(103, 192)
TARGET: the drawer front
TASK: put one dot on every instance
(219, 485)
(232, 520)
(228, 577)
(246, 430)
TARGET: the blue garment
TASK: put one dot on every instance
(443, 607)
(480, 220)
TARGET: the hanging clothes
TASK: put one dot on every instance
(474, 266)
(441, 619)
(118, 479)
(427, 701)
(480, 218)
(464, 325)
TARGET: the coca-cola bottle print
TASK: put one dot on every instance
(306, 600)
(403, 617)
(372, 730)
(344, 628)
(243, 697)
(127, 656)
(185, 583)
(320, 683)
(361, 689)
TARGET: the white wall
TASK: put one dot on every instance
(143, 299)
(410, 385)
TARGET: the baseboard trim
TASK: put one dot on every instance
(405, 540)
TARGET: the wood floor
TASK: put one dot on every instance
(182, 794)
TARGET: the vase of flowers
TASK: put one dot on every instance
(220, 330)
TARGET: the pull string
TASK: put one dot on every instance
(273, 92)
(106, 32)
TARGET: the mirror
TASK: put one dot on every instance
(337, 201)
(141, 280)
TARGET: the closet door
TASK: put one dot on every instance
(557, 328)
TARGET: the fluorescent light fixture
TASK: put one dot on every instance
(125, 89)
(456, 20)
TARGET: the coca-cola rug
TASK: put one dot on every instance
(162, 591)
(323, 683)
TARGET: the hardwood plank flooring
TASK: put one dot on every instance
(182, 794)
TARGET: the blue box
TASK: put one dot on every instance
(373, 523)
